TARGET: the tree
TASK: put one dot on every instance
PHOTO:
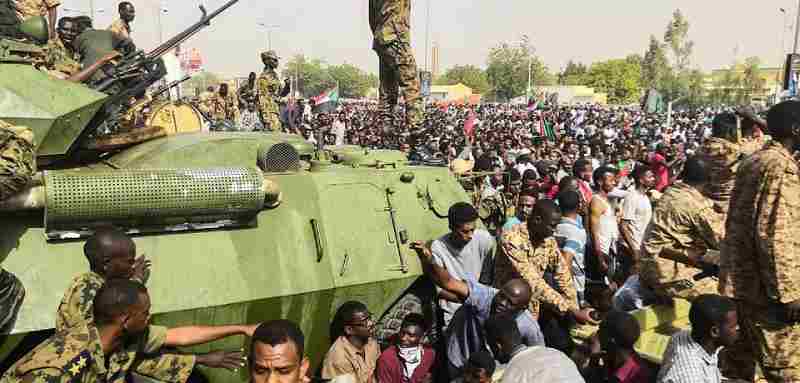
(677, 39)
(353, 82)
(696, 88)
(507, 70)
(573, 74)
(655, 66)
(620, 78)
(468, 75)
(200, 82)
(313, 78)
(751, 82)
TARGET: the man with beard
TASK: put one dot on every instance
(106, 349)
(465, 334)
(523, 210)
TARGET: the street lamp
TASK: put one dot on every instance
(269, 28)
(526, 42)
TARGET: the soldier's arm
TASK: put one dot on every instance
(776, 233)
(540, 290)
(454, 288)
(194, 335)
(710, 227)
(563, 277)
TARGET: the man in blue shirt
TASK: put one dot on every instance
(571, 237)
(465, 334)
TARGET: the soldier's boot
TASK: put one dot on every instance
(17, 159)
(12, 293)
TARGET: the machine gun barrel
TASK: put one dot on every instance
(169, 86)
(189, 32)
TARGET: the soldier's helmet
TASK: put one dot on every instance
(36, 29)
(269, 56)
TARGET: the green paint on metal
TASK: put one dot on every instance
(57, 111)
(341, 233)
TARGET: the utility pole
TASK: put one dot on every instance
(91, 10)
(797, 28)
(427, 35)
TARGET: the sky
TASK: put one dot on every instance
(560, 30)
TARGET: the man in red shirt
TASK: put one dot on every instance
(613, 344)
(658, 162)
(409, 361)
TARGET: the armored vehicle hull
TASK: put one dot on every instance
(339, 233)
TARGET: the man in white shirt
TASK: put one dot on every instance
(692, 355)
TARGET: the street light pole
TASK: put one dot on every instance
(797, 28)
(91, 10)
(427, 34)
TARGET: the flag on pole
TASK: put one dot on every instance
(326, 101)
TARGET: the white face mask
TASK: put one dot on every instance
(410, 354)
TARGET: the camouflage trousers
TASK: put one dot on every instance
(17, 164)
(165, 367)
(398, 69)
(12, 293)
(271, 122)
(686, 289)
(771, 343)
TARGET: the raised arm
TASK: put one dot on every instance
(194, 335)
(440, 276)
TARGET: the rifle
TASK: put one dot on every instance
(137, 64)
(169, 86)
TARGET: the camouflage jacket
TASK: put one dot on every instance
(269, 88)
(17, 159)
(723, 157)
(520, 259)
(225, 108)
(77, 356)
(26, 9)
(75, 311)
(683, 219)
(760, 251)
(390, 21)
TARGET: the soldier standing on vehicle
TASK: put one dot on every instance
(14, 12)
(761, 247)
(248, 92)
(390, 21)
(122, 26)
(269, 92)
(106, 349)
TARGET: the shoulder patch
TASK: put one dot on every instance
(80, 363)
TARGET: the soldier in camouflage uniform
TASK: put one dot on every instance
(14, 12)
(269, 92)
(683, 228)
(760, 251)
(390, 21)
(107, 349)
(722, 153)
(224, 105)
(17, 167)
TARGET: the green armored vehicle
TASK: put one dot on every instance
(240, 227)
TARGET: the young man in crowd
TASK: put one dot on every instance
(571, 237)
(407, 361)
(354, 351)
(523, 210)
(479, 369)
(277, 353)
(637, 211)
(466, 252)
(604, 229)
(465, 336)
(692, 355)
(527, 364)
(613, 345)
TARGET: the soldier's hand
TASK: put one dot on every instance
(110, 56)
(231, 360)
(250, 329)
(141, 269)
